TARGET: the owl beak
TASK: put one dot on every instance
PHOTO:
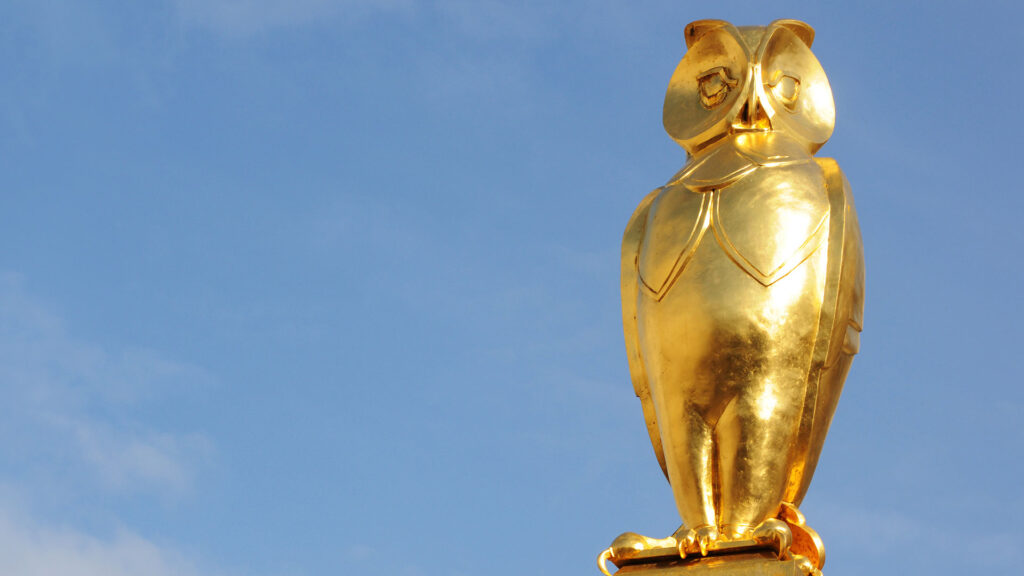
(752, 116)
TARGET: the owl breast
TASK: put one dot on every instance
(767, 213)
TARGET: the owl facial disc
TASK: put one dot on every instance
(748, 79)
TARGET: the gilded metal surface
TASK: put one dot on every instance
(746, 564)
(742, 293)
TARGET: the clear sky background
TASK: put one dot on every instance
(331, 286)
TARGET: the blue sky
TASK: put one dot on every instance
(319, 286)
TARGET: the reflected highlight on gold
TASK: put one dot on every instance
(742, 297)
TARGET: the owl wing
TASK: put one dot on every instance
(839, 328)
(631, 240)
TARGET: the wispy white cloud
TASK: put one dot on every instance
(77, 401)
(141, 459)
(68, 432)
(30, 549)
(244, 17)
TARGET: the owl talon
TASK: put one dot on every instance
(775, 533)
(602, 561)
(628, 547)
(696, 540)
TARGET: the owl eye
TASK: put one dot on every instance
(786, 88)
(714, 86)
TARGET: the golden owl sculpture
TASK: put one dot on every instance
(742, 293)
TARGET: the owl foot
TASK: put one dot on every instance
(786, 537)
(775, 533)
(694, 540)
(631, 547)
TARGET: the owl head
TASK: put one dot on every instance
(751, 78)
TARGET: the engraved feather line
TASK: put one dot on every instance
(801, 254)
(709, 217)
(692, 242)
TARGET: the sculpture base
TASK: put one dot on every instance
(755, 563)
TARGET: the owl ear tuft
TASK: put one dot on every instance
(802, 30)
(694, 30)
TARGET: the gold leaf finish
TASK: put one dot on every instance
(742, 299)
